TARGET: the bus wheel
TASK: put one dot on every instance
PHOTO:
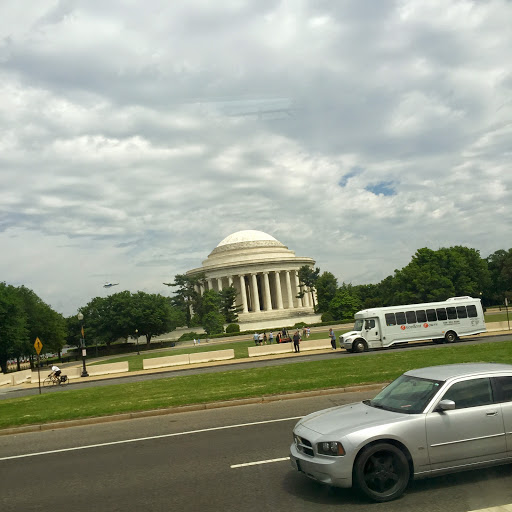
(358, 346)
(450, 337)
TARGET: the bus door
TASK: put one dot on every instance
(372, 332)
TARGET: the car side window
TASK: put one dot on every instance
(503, 389)
(470, 393)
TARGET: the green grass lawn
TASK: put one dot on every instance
(340, 372)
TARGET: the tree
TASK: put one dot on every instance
(500, 271)
(326, 287)
(307, 281)
(228, 307)
(13, 324)
(345, 303)
(186, 297)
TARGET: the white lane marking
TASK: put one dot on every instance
(212, 429)
(258, 462)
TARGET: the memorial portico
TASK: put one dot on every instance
(264, 273)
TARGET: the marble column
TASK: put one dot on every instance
(297, 289)
(230, 281)
(244, 295)
(219, 283)
(305, 299)
(289, 290)
(255, 296)
(266, 290)
(279, 293)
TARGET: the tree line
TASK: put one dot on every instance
(430, 276)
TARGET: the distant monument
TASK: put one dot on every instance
(264, 273)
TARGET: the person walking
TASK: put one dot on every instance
(256, 338)
(296, 341)
(332, 335)
(270, 337)
(264, 338)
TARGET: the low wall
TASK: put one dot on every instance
(20, 377)
(5, 379)
(107, 369)
(315, 344)
(498, 326)
(214, 355)
(265, 350)
(161, 362)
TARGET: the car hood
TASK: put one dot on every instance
(348, 418)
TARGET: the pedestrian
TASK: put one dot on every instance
(264, 338)
(260, 338)
(270, 337)
(304, 332)
(296, 341)
(308, 332)
(195, 342)
(278, 337)
(256, 338)
(332, 335)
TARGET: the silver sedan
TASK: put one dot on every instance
(427, 422)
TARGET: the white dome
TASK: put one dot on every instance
(248, 235)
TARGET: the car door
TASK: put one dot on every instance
(503, 390)
(471, 433)
(372, 332)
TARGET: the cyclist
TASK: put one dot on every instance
(55, 372)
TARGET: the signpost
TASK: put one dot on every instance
(38, 346)
(506, 308)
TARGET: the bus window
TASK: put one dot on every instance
(441, 314)
(452, 313)
(461, 312)
(472, 311)
(421, 315)
(400, 318)
(390, 319)
(411, 317)
(370, 324)
(431, 315)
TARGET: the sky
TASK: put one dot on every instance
(135, 136)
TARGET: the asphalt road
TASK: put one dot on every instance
(186, 462)
(6, 392)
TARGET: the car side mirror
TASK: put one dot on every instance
(446, 405)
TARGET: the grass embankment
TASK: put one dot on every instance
(176, 391)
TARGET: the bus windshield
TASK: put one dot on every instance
(358, 326)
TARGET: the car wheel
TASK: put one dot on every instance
(358, 346)
(450, 337)
(381, 472)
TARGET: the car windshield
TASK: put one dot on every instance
(358, 326)
(409, 395)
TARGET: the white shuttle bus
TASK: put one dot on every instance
(441, 322)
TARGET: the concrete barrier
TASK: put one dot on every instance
(498, 326)
(315, 344)
(265, 350)
(107, 369)
(161, 362)
(5, 379)
(214, 355)
(20, 377)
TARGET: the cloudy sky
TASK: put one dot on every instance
(135, 136)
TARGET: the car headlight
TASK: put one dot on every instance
(333, 448)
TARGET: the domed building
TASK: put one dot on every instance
(264, 273)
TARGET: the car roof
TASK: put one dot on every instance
(449, 371)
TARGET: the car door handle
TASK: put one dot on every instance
(493, 413)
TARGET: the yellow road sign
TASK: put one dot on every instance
(38, 346)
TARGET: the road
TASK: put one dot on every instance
(203, 461)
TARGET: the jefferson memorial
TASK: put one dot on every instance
(264, 273)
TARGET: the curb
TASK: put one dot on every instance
(185, 408)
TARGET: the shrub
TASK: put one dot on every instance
(299, 325)
(327, 317)
(232, 328)
(189, 336)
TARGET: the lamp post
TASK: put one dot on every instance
(137, 338)
(82, 345)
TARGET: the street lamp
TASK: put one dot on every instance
(82, 345)
(137, 338)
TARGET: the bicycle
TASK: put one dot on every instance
(53, 380)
